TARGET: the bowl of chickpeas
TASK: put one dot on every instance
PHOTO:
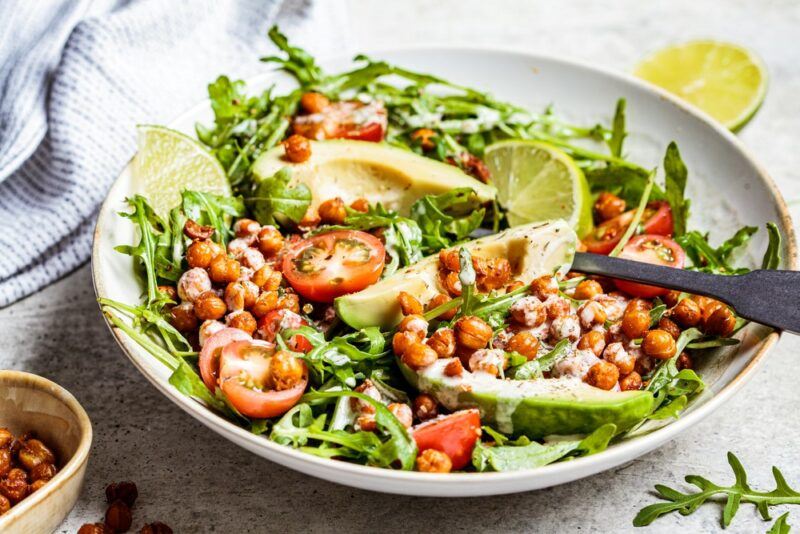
(45, 437)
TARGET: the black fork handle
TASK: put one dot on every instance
(765, 296)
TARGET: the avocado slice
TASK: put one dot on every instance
(532, 249)
(379, 172)
(534, 408)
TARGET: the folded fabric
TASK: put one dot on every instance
(75, 79)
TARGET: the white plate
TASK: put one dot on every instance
(727, 188)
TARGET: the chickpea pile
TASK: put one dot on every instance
(26, 464)
(121, 497)
(612, 341)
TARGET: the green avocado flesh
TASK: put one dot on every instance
(532, 249)
(534, 408)
(360, 169)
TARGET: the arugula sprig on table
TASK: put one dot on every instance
(739, 492)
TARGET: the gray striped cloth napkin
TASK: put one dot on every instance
(76, 76)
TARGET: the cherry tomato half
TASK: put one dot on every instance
(657, 219)
(344, 120)
(212, 348)
(454, 434)
(244, 376)
(328, 265)
(276, 321)
(655, 249)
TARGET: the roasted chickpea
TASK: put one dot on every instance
(43, 471)
(6, 437)
(15, 485)
(631, 382)
(443, 341)
(286, 370)
(360, 204)
(192, 283)
(437, 301)
(659, 344)
(270, 241)
(594, 341)
(314, 102)
(243, 320)
(615, 353)
(687, 313)
(592, 313)
(193, 230)
(156, 527)
(638, 305)
(311, 219)
(224, 270)
(297, 148)
(608, 206)
(425, 407)
(402, 412)
(703, 301)
(525, 343)
(235, 296)
(449, 260)
(95, 528)
(33, 452)
(557, 308)
(125, 491)
(265, 303)
(587, 289)
(415, 324)
(246, 227)
(495, 273)
(5, 461)
(402, 340)
(472, 332)
(183, 318)
(267, 279)
(668, 325)
(635, 323)
(418, 355)
(544, 287)
(454, 368)
(528, 311)
(684, 362)
(603, 375)
(119, 516)
(208, 306)
(424, 136)
(671, 298)
(289, 301)
(409, 304)
(721, 322)
(433, 461)
(333, 211)
(5, 505)
(451, 283)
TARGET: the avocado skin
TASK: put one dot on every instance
(537, 417)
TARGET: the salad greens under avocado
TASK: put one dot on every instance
(480, 339)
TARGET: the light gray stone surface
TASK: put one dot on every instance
(198, 482)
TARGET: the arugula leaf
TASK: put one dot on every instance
(706, 258)
(275, 201)
(739, 492)
(772, 257)
(187, 381)
(213, 210)
(526, 454)
(737, 240)
(675, 174)
(150, 228)
(535, 369)
(448, 218)
(637, 216)
(618, 132)
(780, 526)
(627, 183)
(298, 62)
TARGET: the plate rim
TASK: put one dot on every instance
(370, 477)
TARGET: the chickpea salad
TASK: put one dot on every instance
(380, 289)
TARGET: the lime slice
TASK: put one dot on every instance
(725, 80)
(538, 182)
(169, 162)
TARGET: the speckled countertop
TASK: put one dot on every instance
(198, 482)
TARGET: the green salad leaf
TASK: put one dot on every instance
(275, 200)
(772, 257)
(735, 494)
(780, 526)
(618, 132)
(535, 369)
(675, 174)
(212, 210)
(447, 219)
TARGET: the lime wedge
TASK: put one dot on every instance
(725, 80)
(169, 162)
(538, 182)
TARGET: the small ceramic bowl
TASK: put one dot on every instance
(31, 403)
